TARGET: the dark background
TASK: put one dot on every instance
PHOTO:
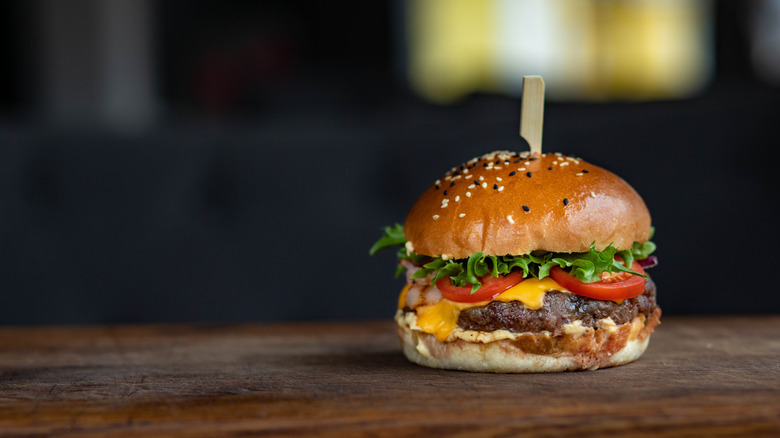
(287, 137)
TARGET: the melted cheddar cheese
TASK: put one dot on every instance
(441, 318)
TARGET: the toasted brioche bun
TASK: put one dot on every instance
(563, 206)
(606, 345)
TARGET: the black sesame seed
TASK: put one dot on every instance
(565, 201)
(457, 172)
(549, 168)
(512, 173)
(437, 186)
(532, 159)
(485, 165)
(525, 208)
(445, 192)
(495, 186)
(528, 174)
(452, 183)
(517, 160)
(498, 161)
(584, 171)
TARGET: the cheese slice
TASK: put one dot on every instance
(441, 318)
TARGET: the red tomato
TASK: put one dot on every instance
(491, 288)
(615, 286)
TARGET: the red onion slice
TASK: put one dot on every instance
(649, 262)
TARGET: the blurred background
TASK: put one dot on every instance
(198, 161)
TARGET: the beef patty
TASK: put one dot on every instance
(559, 308)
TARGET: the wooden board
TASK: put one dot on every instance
(700, 376)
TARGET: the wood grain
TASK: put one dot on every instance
(700, 377)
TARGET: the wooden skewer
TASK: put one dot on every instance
(532, 112)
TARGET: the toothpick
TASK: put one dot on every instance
(532, 112)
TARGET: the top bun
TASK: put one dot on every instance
(525, 203)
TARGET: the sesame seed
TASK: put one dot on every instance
(462, 214)
(592, 194)
(472, 186)
(481, 178)
(452, 183)
(501, 188)
(469, 176)
(525, 208)
(497, 167)
(457, 198)
(437, 182)
(437, 187)
(579, 174)
(565, 163)
(468, 194)
(457, 172)
(528, 174)
(527, 163)
(498, 178)
(522, 169)
(565, 201)
(512, 173)
(517, 160)
(532, 159)
(506, 162)
(484, 185)
(498, 162)
(444, 206)
(584, 171)
(446, 192)
(549, 168)
(485, 165)
(509, 218)
(435, 216)
(495, 186)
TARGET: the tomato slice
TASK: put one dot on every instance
(614, 286)
(491, 288)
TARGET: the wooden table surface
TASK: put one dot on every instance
(701, 376)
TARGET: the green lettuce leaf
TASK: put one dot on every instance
(586, 266)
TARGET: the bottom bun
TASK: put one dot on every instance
(586, 348)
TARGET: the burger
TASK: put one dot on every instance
(520, 262)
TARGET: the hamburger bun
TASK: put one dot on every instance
(523, 204)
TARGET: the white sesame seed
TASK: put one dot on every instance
(444, 206)
(498, 178)
(484, 185)
(466, 170)
(457, 177)
(469, 176)
(521, 169)
(558, 154)
(438, 181)
(592, 194)
(457, 198)
(509, 218)
(468, 194)
(501, 188)
(565, 163)
(447, 178)
(462, 214)
(472, 186)
(527, 163)
(481, 178)
(497, 167)
(435, 216)
(580, 174)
